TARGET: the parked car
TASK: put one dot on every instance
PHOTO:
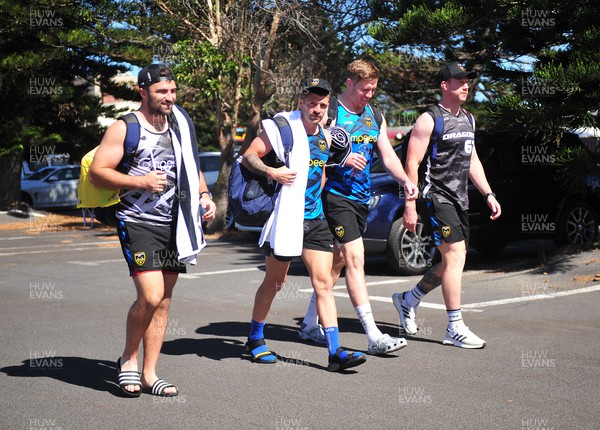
(536, 203)
(209, 164)
(51, 187)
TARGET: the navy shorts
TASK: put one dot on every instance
(149, 247)
(449, 223)
(347, 218)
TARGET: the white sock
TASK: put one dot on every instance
(365, 315)
(455, 319)
(414, 296)
(311, 318)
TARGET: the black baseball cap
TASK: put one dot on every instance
(154, 73)
(316, 85)
(454, 70)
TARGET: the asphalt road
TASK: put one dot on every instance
(65, 295)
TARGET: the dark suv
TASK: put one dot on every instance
(539, 198)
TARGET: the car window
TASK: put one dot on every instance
(72, 173)
(40, 174)
(60, 174)
(209, 164)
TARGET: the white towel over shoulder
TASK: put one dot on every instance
(189, 235)
(284, 228)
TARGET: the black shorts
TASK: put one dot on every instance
(149, 247)
(316, 237)
(347, 219)
(448, 222)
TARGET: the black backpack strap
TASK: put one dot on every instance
(469, 117)
(332, 111)
(132, 140)
(377, 115)
(287, 138)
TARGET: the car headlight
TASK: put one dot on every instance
(374, 201)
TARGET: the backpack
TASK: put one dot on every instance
(438, 128)
(252, 197)
(92, 199)
(332, 112)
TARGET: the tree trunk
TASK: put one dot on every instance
(10, 186)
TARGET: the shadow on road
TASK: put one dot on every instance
(99, 375)
(223, 346)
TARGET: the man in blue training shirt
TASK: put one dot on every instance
(317, 242)
(346, 195)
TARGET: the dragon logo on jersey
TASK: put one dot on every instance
(322, 145)
(339, 231)
(140, 258)
(369, 121)
(446, 230)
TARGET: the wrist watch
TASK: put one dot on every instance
(207, 193)
(487, 196)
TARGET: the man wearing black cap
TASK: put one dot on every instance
(450, 165)
(346, 195)
(158, 220)
(297, 226)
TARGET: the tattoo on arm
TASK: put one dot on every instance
(255, 164)
(430, 281)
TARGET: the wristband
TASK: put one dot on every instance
(207, 193)
(487, 196)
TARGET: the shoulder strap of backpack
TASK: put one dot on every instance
(286, 136)
(438, 127)
(332, 111)
(377, 115)
(469, 117)
(132, 139)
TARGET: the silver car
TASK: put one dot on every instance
(51, 187)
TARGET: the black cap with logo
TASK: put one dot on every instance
(154, 73)
(454, 70)
(316, 85)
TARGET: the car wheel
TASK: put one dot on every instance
(492, 247)
(26, 198)
(577, 224)
(409, 253)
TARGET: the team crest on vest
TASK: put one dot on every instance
(446, 231)
(369, 121)
(322, 145)
(339, 231)
(140, 258)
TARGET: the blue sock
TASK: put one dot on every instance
(333, 339)
(256, 330)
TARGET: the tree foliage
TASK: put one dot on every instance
(537, 60)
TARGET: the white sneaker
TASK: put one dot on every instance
(314, 334)
(463, 338)
(407, 314)
(386, 344)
